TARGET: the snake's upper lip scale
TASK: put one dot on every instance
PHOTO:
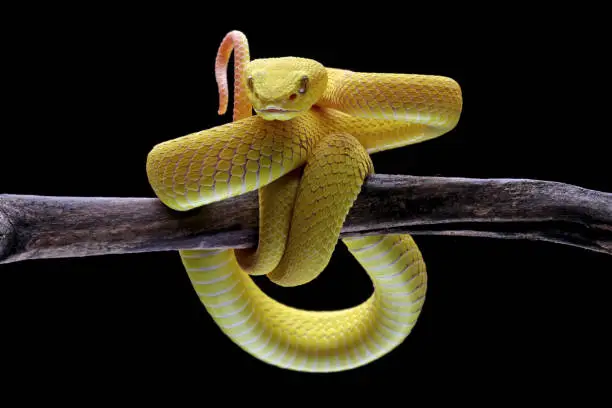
(275, 109)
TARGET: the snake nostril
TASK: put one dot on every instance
(292, 97)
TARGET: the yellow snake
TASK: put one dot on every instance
(306, 151)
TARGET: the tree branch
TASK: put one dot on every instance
(34, 227)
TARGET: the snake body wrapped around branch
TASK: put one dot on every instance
(306, 151)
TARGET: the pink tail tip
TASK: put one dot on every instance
(232, 39)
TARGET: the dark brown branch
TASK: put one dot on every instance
(49, 227)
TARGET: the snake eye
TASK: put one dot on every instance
(250, 82)
(303, 84)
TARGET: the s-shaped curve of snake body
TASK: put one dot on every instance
(306, 151)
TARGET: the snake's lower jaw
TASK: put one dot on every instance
(277, 114)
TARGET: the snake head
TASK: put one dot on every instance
(283, 88)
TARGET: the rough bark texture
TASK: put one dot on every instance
(49, 227)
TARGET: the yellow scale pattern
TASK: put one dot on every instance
(228, 160)
(309, 170)
(283, 336)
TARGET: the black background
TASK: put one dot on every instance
(87, 93)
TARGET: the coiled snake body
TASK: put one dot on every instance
(307, 152)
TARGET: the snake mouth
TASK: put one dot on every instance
(275, 109)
